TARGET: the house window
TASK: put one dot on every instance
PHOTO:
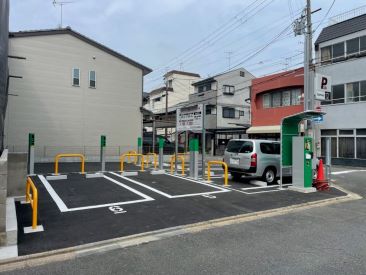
(353, 46)
(157, 99)
(286, 98)
(338, 94)
(92, 79)
(204, 88)
(242, 74)
(276, 99)
(296, 97)
(241, 113)
(338, 52)
(326, 54)
(210, 110)
(267, 101)
(229, 90)
(353, 92)
(228, 112)
(170, 83)
(75, 77)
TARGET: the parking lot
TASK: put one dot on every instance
(80, 210)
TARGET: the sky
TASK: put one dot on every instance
(200, 36)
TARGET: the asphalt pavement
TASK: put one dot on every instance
(323, 240)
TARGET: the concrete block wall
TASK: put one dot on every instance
(17, 174)
(3, 192)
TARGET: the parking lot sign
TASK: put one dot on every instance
(190, 118)
(322, 87)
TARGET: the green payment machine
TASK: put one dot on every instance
(302, 157)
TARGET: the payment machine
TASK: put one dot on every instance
(302, 157)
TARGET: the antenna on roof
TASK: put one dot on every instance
(61, 4)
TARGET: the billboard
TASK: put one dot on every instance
(323, 87)
(190, 118)
(4, 35)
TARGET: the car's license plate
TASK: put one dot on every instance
(234, 161)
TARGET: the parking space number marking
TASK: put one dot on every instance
(117, 209)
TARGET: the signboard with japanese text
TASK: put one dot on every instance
(190, 118)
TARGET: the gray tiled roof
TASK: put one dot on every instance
(349, 26)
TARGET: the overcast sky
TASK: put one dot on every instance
(196, 36)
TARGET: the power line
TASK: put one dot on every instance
(223, 30)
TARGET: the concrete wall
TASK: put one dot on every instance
(3, 186)
(17, 174)
(65, 116)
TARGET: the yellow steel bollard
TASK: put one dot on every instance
(172, 161)
(226, 180)
(82, 158)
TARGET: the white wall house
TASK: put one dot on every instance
(341, 54)
(226, 97)
(72, 90)
(179, 87)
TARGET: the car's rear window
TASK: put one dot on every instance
(270, 148)
(239, 146)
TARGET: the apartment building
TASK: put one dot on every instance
(341, 54)
(226, 97)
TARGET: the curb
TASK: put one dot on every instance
(146, 237)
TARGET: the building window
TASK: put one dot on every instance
(337, 94)
(228, 112)
(362, 44)
(282, 98)
(241, 113)
(210, 110)
(346, 147)
(267, 101)
(92, 79)
(276, 99)
(157, 99)
(229, 90)
(361, 147)
(242, 74)
(353, 91)
(353, 46)
(170, 83)
(296, 97)
(363, 91)
(286, 98)
(326, 54)
(338, 52)
(75, 77)
(204, 88)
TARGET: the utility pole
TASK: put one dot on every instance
(303, 26)
(166, 107)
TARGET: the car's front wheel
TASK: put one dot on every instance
(269, 175)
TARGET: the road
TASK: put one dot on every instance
(324, 240)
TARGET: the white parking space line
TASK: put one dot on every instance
(346, 172)
(60, 204)
(220, 189)
(63, 208)
(262, 187)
